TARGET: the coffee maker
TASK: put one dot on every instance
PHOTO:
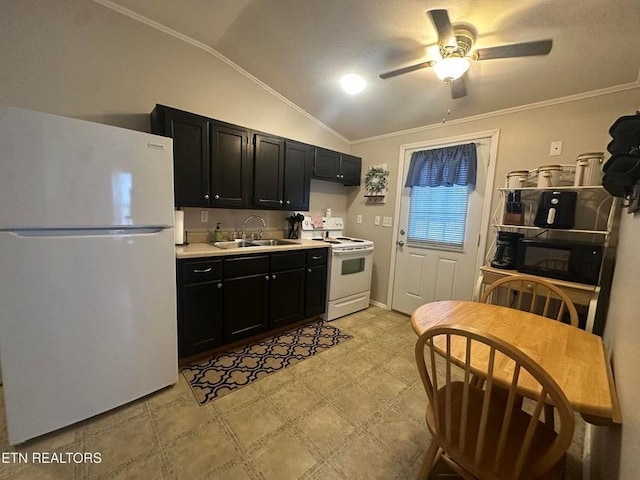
(506, 250)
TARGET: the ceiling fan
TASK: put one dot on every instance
(455, 49)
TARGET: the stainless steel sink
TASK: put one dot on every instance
(254, 243)
(236, 244)
(272, 242)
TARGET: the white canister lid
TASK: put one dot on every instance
(518, 173)
(547, 168)
(592, 155)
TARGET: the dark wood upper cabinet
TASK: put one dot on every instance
(326, 164)
(211, 167)
(190, 134)
(336, 167)
(350, 167)
(268, 169)
(297, 176)
(216, 166)
(230, 168)
(281, 174)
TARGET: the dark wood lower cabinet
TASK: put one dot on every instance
(245, 306)
(202, 317)
(315, 292)
(238, 296)
(199, 305)
(286, 297)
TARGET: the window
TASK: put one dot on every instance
(438, 217)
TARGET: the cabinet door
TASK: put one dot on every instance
(350, 169)
(230, 170)
(245, 306)
(326, 164)
(297, 176)
(200, 326)
(190, 135)
(268, 172)
(286, 297)
(315, 290)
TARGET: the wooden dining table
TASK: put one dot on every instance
(575, 359)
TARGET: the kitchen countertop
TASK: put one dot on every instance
(199, 250)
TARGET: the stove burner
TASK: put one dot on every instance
(331, 241)
(357, 240)
(343, 238)
(318, 239)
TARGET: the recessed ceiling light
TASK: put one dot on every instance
(352, 84)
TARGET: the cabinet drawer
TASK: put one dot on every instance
(317, 256)
(201, 271)
(287, 261)
(245, 266)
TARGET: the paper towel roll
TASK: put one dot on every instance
(178, 226)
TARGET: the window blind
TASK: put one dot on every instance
(438, 217)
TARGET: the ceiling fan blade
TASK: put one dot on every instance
(443, 26)
(402, 71)
(526, 49)
(459, 88)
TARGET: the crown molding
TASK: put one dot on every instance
(180, 36)
(507, 111)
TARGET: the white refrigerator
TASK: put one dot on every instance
(87, 269)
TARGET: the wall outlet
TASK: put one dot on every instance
(376, 220)
(358, 218)
(387, 221)
(556, 148)
(204, 216)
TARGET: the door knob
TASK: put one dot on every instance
(400, 243)
(401, 232)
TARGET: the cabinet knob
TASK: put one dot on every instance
(217, 197)
(280, 202)
(288, 202)
(309, 270)
(337, 175)
(273, 276)
(219, 285)
(266, 277)
(206, 197)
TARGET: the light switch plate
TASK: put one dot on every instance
(204, 216)
(376, 220)
(556, 148)
(358, 218)
(387, 221)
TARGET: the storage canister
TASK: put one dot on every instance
(516, 178)
(549, 175)
(589, 169)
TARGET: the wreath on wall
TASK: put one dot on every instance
(376, 180)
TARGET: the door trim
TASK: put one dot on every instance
(494, 136)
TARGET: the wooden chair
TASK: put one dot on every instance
(531, 290)
(481, 435)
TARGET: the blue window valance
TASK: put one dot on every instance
(443, 167)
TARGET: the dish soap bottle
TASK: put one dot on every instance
(218, 233)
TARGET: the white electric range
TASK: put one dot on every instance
(349, 268)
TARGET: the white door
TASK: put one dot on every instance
(425, 273)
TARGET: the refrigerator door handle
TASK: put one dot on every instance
(76, 232)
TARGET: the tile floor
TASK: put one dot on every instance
(352, 412)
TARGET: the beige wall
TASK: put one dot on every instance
(614, 450)
(525, 139)
(80, 59)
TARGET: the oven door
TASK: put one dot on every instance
(350, 271)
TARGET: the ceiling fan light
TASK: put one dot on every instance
(451, 68)
(352, 84)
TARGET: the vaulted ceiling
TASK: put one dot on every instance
(301, 48)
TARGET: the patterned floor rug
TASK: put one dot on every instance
(214, 378)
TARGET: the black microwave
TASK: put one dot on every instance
(573, 261)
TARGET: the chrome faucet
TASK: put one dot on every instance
(244, 238)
